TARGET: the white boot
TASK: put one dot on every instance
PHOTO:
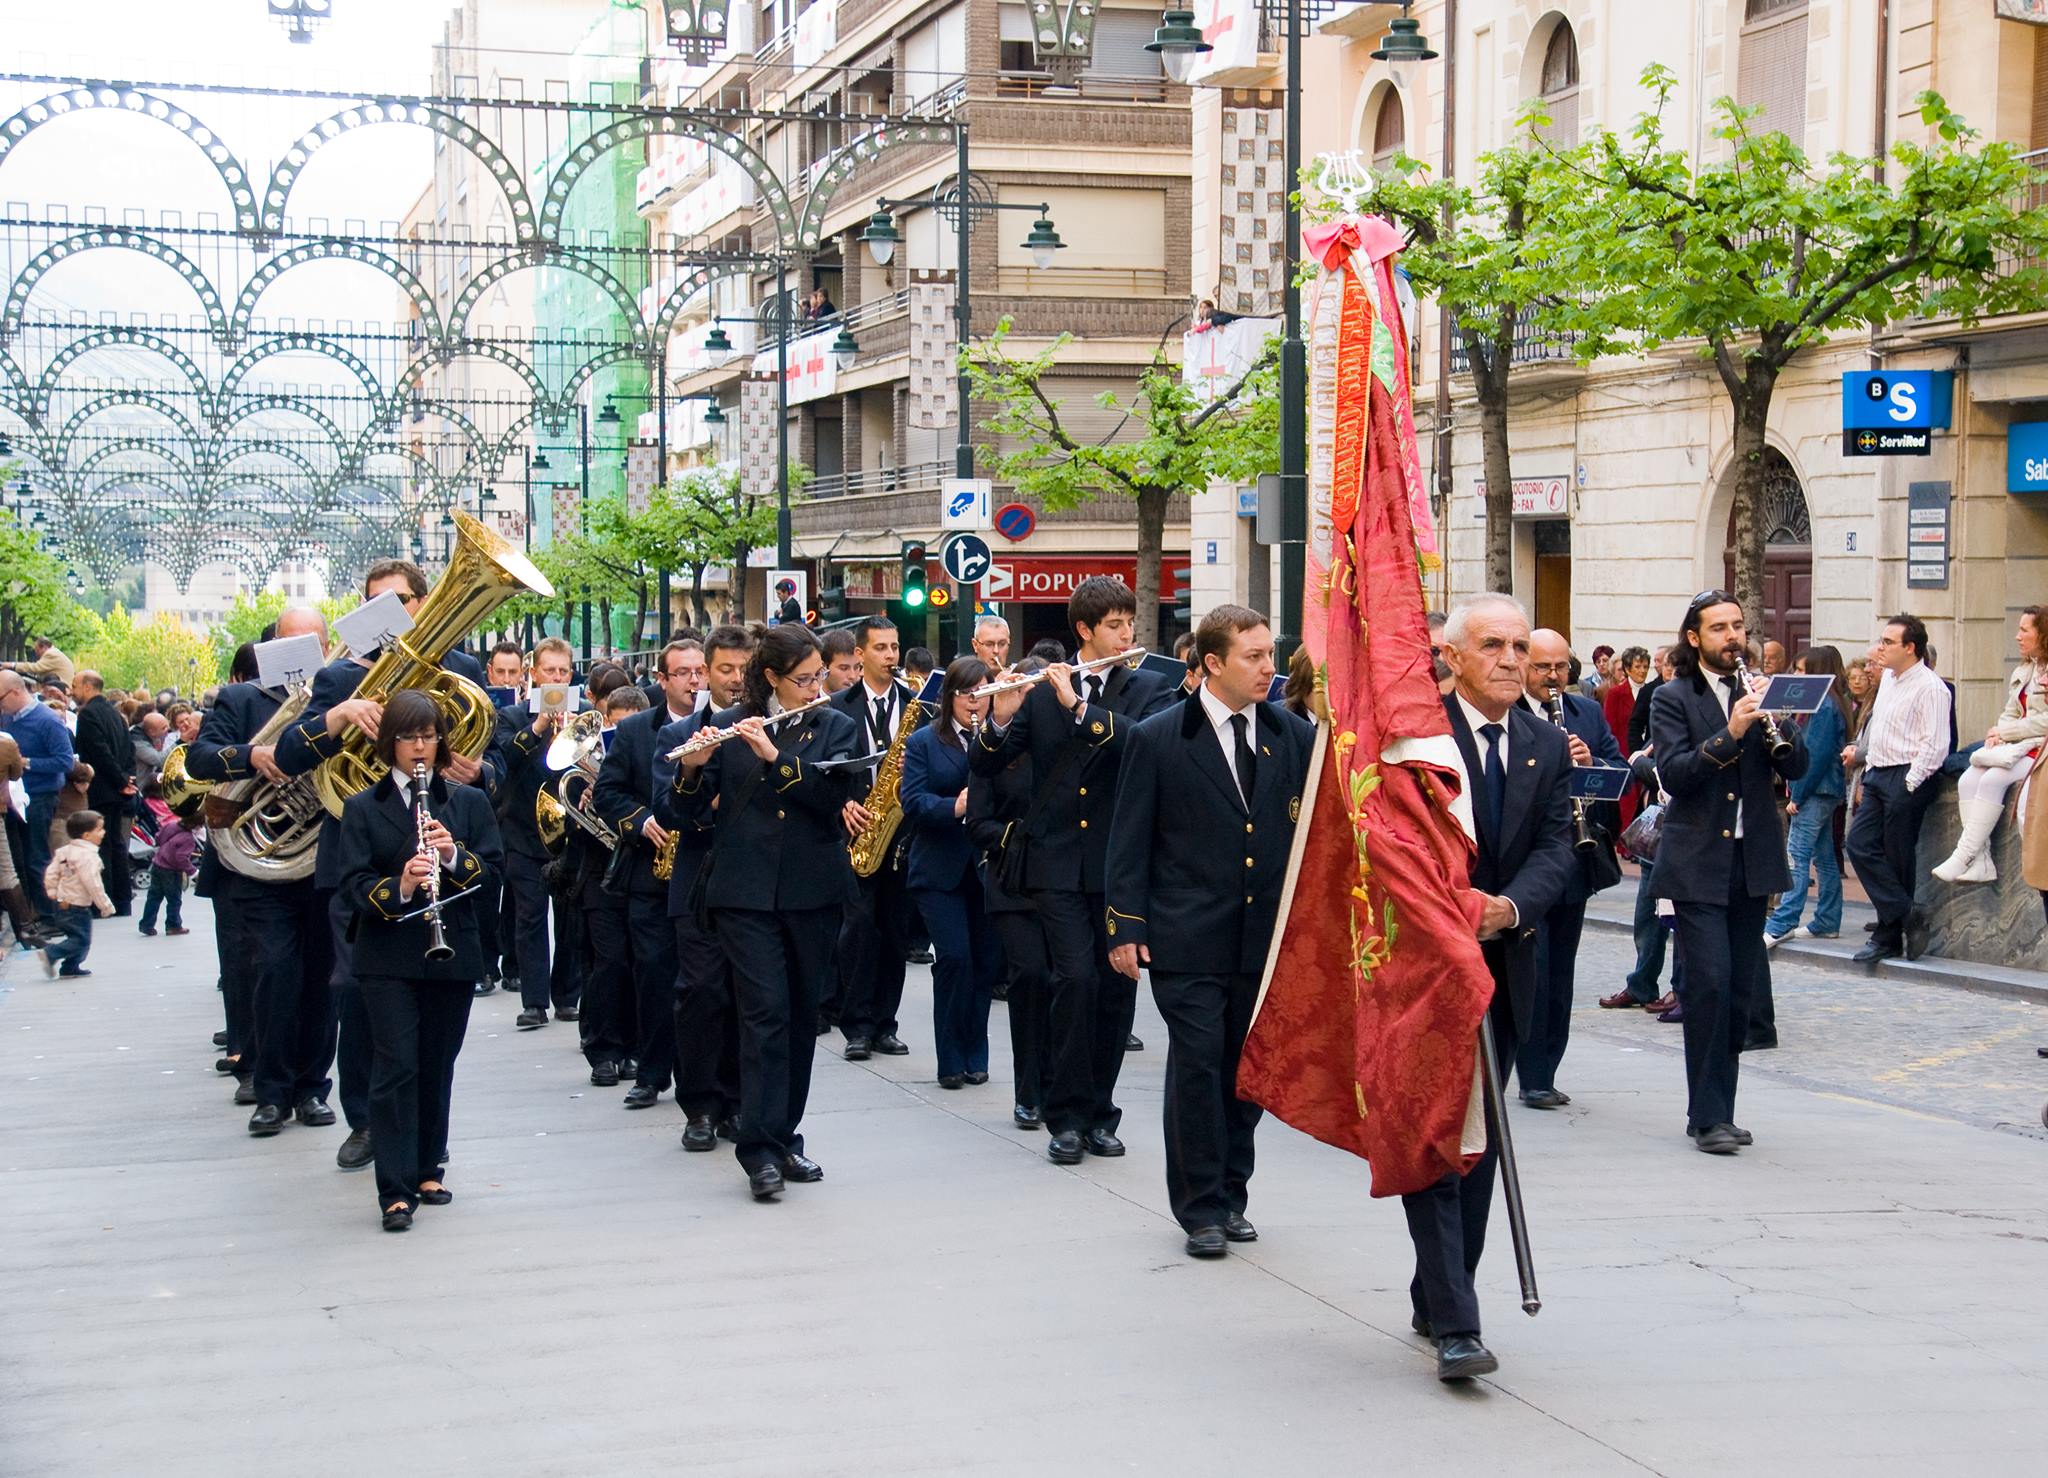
(1971, 861)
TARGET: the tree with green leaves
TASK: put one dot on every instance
(1759, 253)
(1507, 256)
(244, 621)
(707, 518)
(159, 653)
(35, 599)
(1171, 439)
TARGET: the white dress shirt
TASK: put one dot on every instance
(1717, 684)
(1908, 723)
(1477, 721)
(1219, 723)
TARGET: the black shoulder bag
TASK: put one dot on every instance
(700, 887)
(1011, 856)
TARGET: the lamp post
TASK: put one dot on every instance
(776, 314)
(958, 202)
(1179, 45)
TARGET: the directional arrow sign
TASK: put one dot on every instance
(966, 557)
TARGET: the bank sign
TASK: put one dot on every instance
(1894, 413)
(2026, 457)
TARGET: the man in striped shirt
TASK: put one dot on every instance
(1901, 747)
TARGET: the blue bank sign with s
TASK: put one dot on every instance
(1896, 400)
(2026, 457)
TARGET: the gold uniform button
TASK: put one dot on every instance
(1247, 898)
(778, 815)
(1084, 790)
(1727, 833)
(1731, 795)
(1084, 825)
(1247, 828)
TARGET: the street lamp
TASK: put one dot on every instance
(1043, 242)
(609, 416)
(882, 237)
(718, 344)
(298, 17)
(844, 350)
(1404, 41)
(1178, 44)
(696, 28)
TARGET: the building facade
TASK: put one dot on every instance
(1623, 483)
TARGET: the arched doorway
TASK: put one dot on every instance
(1788, 556)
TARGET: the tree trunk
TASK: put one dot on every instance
(606, 637)
(1752, 414)
(1151, 539)
(640, 616)
(697, 593)
(1489, 360)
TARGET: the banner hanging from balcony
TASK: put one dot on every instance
(643, 470)
(934, 340)
(757, 434)
(567, 509)
(813, 372)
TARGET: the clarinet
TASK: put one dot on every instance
(1582, 826)
(438, 947)
(1780, 745)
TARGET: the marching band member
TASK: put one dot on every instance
(505, 670)
(318, 736)
(280, 931)
(1073, 726)
(876, 932)
(1206, 803)
(774, 886)
(390, 863)
(707, 1028)
(610, 1011)
(942, 876)
(544, 977)
(623, 797)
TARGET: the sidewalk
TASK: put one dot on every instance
(1614, 911)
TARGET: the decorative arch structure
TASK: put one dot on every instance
(337, 250)
(107, 338)
(109, 238)
(105, 96)
(671, 124)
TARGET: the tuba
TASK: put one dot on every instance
(870, 846)
(482, 574)
(577, 752)
(265, 829)
(183, 794)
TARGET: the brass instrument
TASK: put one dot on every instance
(438, 947)
(1582, 826)
(870, 845)
(482, 574)
(1780, 745)
(1032, 680)
(705, 739)
(665, 857)
(268, 829)
(577, 751)
(185, 795)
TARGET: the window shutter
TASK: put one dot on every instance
(2039, 139)
(1772, 72)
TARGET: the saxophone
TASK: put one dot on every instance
(870, 846)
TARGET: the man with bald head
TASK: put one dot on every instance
(1557, 943)
(275, 954)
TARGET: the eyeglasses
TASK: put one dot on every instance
(808, 680)
(420, 738)
(1550, 667)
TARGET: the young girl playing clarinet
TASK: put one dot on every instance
(408, 840)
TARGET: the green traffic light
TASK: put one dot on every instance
(914, 596)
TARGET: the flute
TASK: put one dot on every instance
(438, 947)
(1780, 745)
(705, 739)
(1012, 684)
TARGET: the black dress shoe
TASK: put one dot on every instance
(1065, 1148)
(1877, 949)
(356, 1151)
(398, 1219)
(604, 1074)
(729, 1130)
(920, 957)
(315, 1113)
(975, 1080)
(1916, 933)
(568, 1013)
(1237, 1229)
(436, 1198)
(889, 1045)
(1742, 1136)
(765, 1183)
(700, 1135)
(267, 1120)
(227, 1065)
(629, 1067)
(245, 1092)
(1000, 992)
(509, 984)
(1132, 1042)
(858, 1049)
(1545, 1098)
(1024, 1116)
(1420, 1325)
(824, 1024)
(1717, 1139)
(950, 1080)
(485, 987)
(1207, 1242)
(642, 1095)
(802, 1169)
(1760, 1041)
(1102, 1142)
(526, 1021)
(1461, 1356)
(220, 1039)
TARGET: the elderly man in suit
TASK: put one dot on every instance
(1722, 855)
(1516, 772)
(1206, 804)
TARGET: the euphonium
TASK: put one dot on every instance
(884, 803)
(568, 799)
(183, 794)
(482, 575)
(268, 829)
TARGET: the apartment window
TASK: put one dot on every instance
(2039, 139)
(1559, 85)
(1389, 131)
(1772, 71)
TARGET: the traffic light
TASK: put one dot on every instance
(832, 604)
(941, 597)
(1183, 608)
(914, 583)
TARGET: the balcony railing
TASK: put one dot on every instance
(915, 477)
(1081, 282)
(1531, 346)
(2035, 197)
(1093, 87)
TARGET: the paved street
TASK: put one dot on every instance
(1866, 1291)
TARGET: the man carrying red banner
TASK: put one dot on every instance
(1429, 848)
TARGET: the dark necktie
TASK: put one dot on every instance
(1496, 778)
(1095, 687)
(881, 722)
(1734, 686)
(1246, 773)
